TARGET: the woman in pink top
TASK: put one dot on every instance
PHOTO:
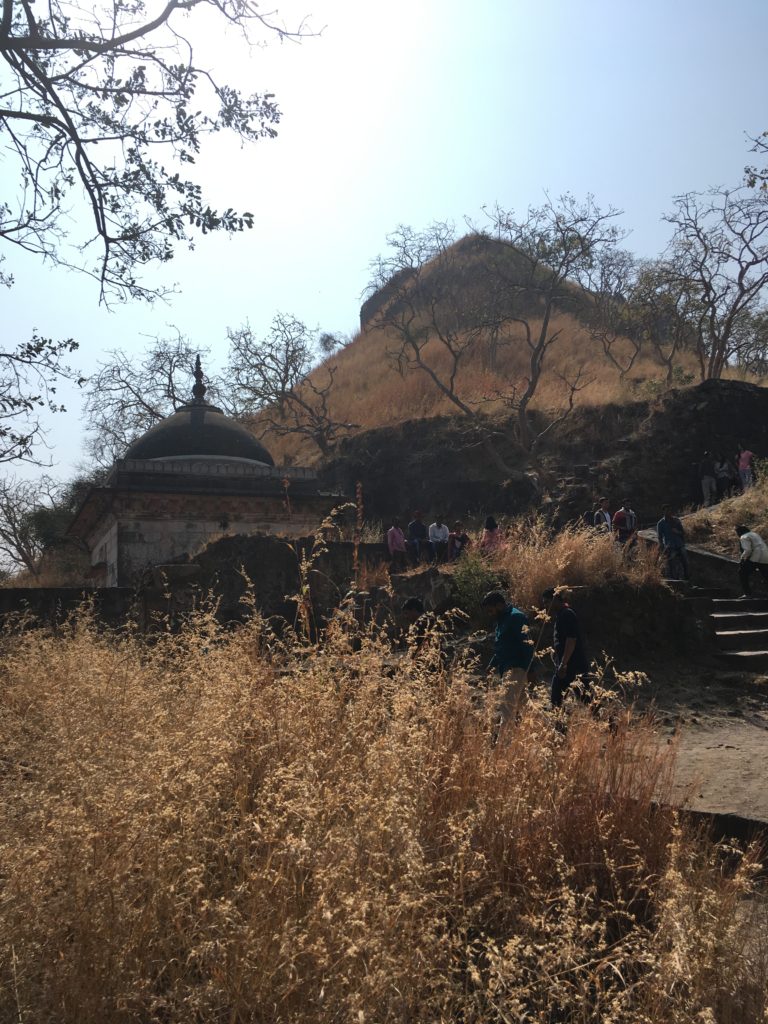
(745, 467)
(397, 547)
(492, 538)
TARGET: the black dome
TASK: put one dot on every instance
(199, 429)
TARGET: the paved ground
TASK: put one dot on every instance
(721, 721)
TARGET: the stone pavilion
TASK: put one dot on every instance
(195, 475)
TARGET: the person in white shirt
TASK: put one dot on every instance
(438, 538)
(754, 558)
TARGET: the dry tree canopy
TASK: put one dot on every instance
(104, 107)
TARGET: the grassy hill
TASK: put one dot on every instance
(373, 388)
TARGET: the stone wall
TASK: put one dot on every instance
(271, 567)
(113, 605)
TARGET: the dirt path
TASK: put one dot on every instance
(721, 719)
(723, 768)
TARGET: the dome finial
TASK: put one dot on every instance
(198, 391)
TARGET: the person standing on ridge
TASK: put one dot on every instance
(418, 537)
(602, 520)
(745, 463)
(438, 539)
(398, 550)
(458, 541)
(671, 536)
(625, 526)
(491, 539)
(708, 480)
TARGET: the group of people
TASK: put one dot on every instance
(622, 523)
(514, 651)
(436, 542)
(722, 475)
(515, 663)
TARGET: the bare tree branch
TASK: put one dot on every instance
(93, 94)
(276, 380)
(719, 253)
(128, 394)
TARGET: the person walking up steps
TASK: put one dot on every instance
(671, 536)
(754, 558)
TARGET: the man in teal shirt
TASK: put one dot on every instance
(513, 650)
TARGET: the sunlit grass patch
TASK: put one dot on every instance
(223, 826)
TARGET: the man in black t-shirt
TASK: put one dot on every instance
(418, 539)
(571, 662)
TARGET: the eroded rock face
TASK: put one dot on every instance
(660, 464)
(438, 465)
(645, 451)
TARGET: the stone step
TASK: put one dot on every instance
(722, 621)
(740, 604)
(750, 661)
(742, 639)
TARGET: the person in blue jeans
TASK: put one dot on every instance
(571, 661)
(418, 539)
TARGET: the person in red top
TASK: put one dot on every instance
(458, 541)
(745, 465)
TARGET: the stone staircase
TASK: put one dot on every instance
(741, 631)
(737, 626)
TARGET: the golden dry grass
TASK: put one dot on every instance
(219, 826)
(715, 528)
(534, 557)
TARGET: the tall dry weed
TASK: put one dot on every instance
(535, 557)
(225, 826)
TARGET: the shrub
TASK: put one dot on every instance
(473, 577)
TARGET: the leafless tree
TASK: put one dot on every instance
(428, 314)
(21, 544)
(757, 177)
(667, 315)
(277, 379)
(611, 317)
(445, 301)
(546, 262)
(434, 307)
(128, 394)
(101, 107)
(720, 251)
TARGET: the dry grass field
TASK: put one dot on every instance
(223, 826)
(374, 388)
(370, 392)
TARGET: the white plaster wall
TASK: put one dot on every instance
(103, 546)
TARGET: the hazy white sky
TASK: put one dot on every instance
(416, 110)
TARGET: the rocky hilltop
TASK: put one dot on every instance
(647, 451)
